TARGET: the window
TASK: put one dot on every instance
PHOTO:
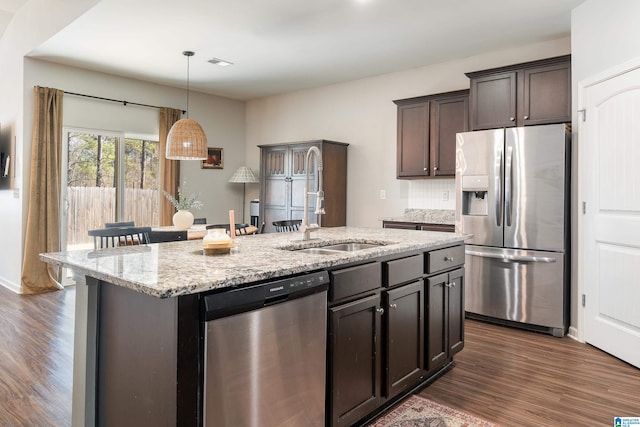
(108, 178)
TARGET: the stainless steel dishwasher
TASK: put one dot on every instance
(265, 354)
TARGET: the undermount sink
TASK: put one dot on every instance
(350, 247)
(336, 248)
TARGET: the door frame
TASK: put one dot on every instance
(583, 193)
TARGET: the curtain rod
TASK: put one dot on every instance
(125, 103)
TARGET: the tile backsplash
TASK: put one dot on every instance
(430, 194)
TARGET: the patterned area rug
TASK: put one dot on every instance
(416, 411)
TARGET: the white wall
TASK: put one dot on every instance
(604, 34)
(222, 119)
(34, 23)
(362, 114)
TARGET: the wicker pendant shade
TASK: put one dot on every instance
(186, 139)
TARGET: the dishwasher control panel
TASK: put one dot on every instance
(255, 296)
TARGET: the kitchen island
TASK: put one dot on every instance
(138, 354)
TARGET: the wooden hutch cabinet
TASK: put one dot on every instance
(531, 93)
(282, 177)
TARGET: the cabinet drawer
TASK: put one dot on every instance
(354, 280)
(403, 270)
(444, 259)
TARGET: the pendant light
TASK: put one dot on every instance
(186, 139)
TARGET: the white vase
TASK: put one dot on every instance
(182, 220)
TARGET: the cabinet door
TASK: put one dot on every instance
(275, 185)
(455, 315)
(413, 140)
(436, 326)
(493, 101)
(354, 351)
(547, 94)
(448, 117)
(297, 174)
(405, 337)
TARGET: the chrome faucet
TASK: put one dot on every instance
(305, 227)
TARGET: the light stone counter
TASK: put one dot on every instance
(426, 216)
(180, 268)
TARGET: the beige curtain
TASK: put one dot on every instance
(169, 169)
(43, 217)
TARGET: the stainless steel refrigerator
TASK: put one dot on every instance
(512, 194)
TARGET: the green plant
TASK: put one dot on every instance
(183, 202)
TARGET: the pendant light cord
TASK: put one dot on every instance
(188, 54)
(188, 62)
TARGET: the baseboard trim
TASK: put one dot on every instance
(10, 285)
(573, 333)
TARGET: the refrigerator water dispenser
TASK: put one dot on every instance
(475, 195)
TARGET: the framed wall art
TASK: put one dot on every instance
(214, 159)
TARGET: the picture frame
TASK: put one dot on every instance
(215, 159)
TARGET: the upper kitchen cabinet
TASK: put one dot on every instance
(427, 128)
(282, 179)
(531, 93)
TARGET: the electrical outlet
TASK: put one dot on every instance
(445, 196)
(383, 194)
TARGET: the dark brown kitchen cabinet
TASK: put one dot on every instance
(531, 93)
(427, 128)
(405, 337)
(445, 322)
(282, 179)
(355, 369)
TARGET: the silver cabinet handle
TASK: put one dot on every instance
(435, 168)
(512, 119)
(451, 285)
(426, 169)
(526, 117)
(380, 310)
(393, 305)
(448, 258)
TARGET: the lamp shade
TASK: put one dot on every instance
(186, 141)
(243, 175)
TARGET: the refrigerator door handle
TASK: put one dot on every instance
(511, 258)
(497, 173)
(508, 190)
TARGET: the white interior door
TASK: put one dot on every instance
(610, 228)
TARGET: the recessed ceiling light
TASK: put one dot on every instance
(220, 62)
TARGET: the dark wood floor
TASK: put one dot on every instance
(520, 378)
(36, 358)
(508, 376)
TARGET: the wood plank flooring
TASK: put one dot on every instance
(508, 376)
(520, 378)
(36, 358)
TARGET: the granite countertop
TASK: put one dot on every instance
(179, 268)
(426, 216)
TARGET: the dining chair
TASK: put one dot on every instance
(120, 224)
(241, 229)
(111, 237)
(200, 220)
(287, 225)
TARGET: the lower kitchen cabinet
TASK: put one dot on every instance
(393, 324)
(354, 349)
(405, 337)
(445, 321)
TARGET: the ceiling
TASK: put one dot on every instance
(280, 46)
